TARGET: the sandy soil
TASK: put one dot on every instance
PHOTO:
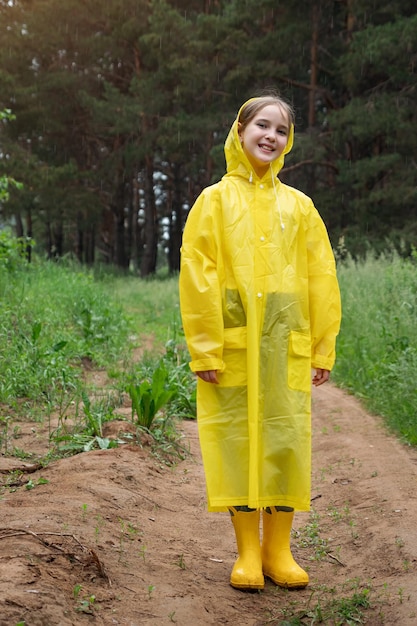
(118, 537)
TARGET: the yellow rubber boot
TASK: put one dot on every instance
(247, 571)
(277, 561)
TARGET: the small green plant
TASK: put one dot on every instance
(149, 396)
(126, 530)
(86, 605)
(181, 562)
(31, 484)
(350, 609)
(310, 537)
(86, 432)
(4, 433)
(84, 509)
(142, 553)
(151, 589)
(325, 606)
(98, 527)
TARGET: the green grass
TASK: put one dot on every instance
(57, 317)
(377, 346)
(153, 304)
(57, 320)
(52, 318)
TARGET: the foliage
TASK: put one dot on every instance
(59, 320)
(120, 113)
(13, 251)
(52, 318)
(377, 347)
(149, 396)
(84, 433)
(7, 181)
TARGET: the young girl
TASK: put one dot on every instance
(260, 307)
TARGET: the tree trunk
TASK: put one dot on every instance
(313, 66)
(175, 221)
(118, 210)
(148, 264)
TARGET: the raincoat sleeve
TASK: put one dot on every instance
(324, 295)
(200, 293)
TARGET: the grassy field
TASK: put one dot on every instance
(377, 346)
(57, 322)
(55, 318)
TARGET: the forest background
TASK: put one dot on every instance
(120, 110)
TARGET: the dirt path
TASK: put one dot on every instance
(131, 542)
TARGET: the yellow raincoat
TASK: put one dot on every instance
(260, 303)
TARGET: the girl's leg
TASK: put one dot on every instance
(277, 561)
(247, 571)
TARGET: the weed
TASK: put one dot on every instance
(86, 605)
(354, 533)
(98, 527)
(126, 530)
(142, 553)
(181, 562)
(309, 537)
(84, 509)
(324, 608)
(86, 431)
(149, 396)
(151, 589)
(21, 454)
(31, 485)
(4, 433)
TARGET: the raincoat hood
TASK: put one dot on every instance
(236, 160)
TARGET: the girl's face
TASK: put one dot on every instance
(265, 137)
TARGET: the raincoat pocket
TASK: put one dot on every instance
(234, 357)
(299, 361)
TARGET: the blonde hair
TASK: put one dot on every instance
(252, 108)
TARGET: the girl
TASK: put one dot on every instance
(260, 307)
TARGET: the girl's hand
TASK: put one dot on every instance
(320, 377)
(210, 376)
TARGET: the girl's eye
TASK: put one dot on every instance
(261, 125)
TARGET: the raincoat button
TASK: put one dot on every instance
(262, 238)
(261, 186)
(259, 294)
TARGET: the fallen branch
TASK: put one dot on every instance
(25, 469)
(92, 557)
(336, 559)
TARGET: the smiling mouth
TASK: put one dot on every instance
(263, 146)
